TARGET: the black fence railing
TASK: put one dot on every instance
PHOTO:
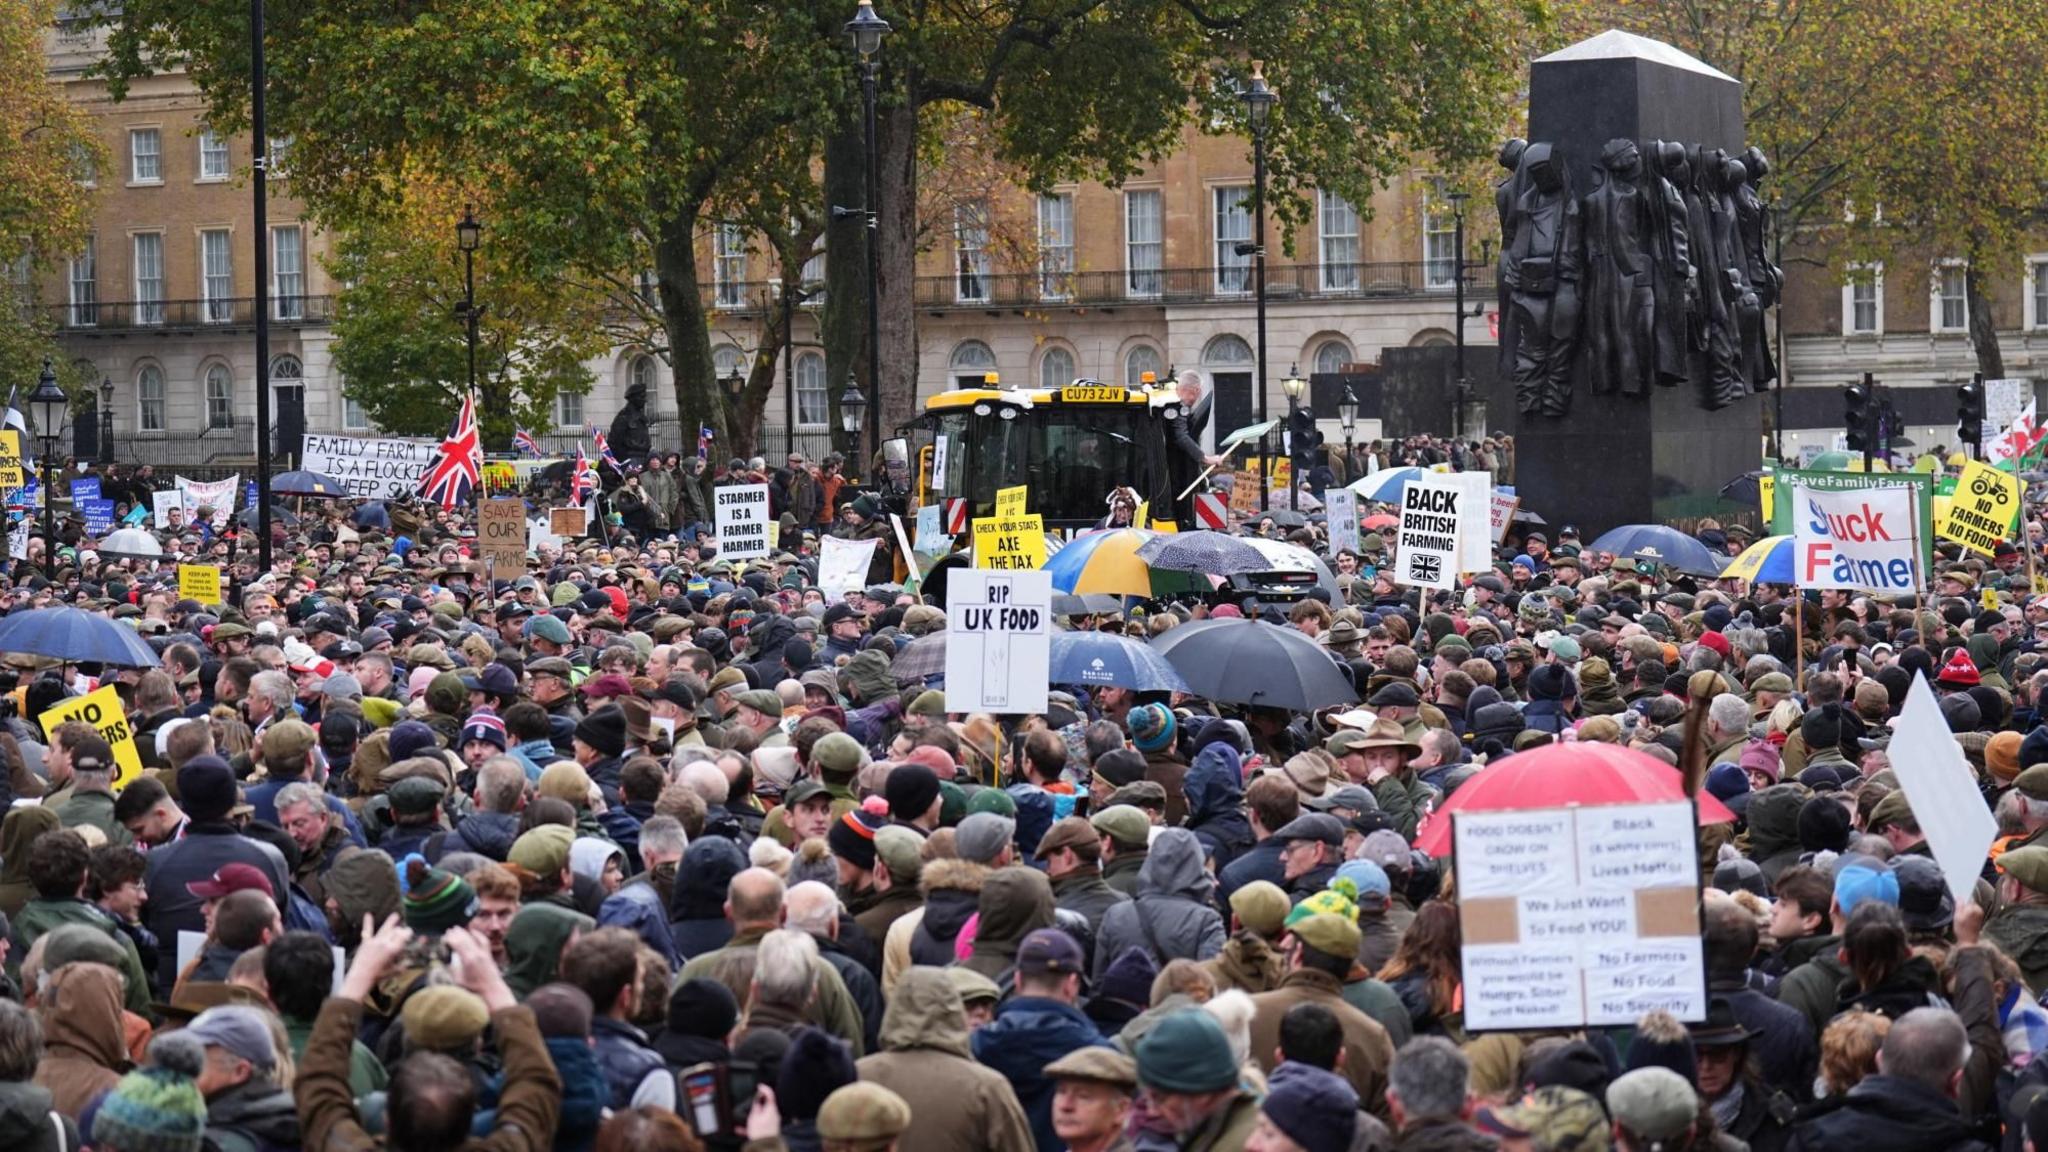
(189, 315)
(187, 448)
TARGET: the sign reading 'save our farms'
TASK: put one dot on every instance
(370, 468)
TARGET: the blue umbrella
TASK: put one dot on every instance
(1384, 486)
(75, 637)
(307, 484)
(1660, 544)
(1211, 552)
(1097, 658)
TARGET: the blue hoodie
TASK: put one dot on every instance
(584, 1091)
(1214, 788)
(1028, 1033)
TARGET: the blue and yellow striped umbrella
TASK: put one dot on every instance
(1767, 561)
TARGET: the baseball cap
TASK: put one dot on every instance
(1050, 950)
(232, 878)
(237, 1029)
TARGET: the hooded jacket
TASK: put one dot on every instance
(1015, 902)
(1773, 817)
(1214, 788)
(488, 834)
(253, 1116)
(534, 943)
(1083, 893)
(1887, 1114)
(2021, 932)
(42, 917)
(1172, 916)
(17, 832)
(952, 894)
(83, 1052)
(1028, 1033)
(697, 923)
(956, 1104)
(30, 1123)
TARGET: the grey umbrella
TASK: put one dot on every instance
(1252, 662)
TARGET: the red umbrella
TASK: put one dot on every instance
(1379, 522)
(1559, 776)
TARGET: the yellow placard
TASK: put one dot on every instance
(11, 474)
(103, 711)
(199, 582)
(1981, 512)
(1014, 543)
(1010, 501)
(1989, 600)
(1767, 491)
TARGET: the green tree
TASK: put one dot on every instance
(401, 341)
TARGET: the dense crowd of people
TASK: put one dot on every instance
(642, 849)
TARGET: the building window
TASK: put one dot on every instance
(353, 417)
(1951, 297)
(1140, 360)
(1233, 227)
(280, 154)
(1056, 246)
(813, 408)
(1227, 351)
(812, 277)
(2037, 291)
(647, 286)
(642, 374)
(569, 410)
(730, 266)
(1439, 241)
(970, 245)
(1339, 242)
(1863, 301)
(217, 275)
(220, 398)
(85, 284)
(1144, 242)
(146, 155)
(149, 398)
(287, 370)
(727, 361)
(972, 364)
(84, 164)
(213, 156)
(149, 278)
(1055, 368)
(288, 272)
(1332, 356)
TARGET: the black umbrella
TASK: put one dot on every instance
(1252, 662)
(1087, 604)
(1210, 552)
(247, 517)
(1283, 517)
(1524, 517)
(1744, 489)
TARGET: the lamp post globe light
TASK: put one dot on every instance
(1296, 388)
(1259, 99)
(851, 407)
(1347, 415)
(867, 29)
(48, 402)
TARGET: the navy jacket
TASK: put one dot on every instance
(1028, 1033)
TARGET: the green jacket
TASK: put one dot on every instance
(40, 917)
(365, 1073)
(96, 808)
(733, 966)
(2021, 932)
(1403, 796)
(1815, 989)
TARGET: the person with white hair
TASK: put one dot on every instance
(814, 909)
(785, 981)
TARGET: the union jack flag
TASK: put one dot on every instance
(704, 438)
(604, 450)
(584, 480)
(458, 462)
(526, 442)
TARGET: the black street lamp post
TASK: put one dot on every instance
(867, 29)
(1295, 387)
(1259, 98)
(851, 405)
(106, 420)
(48, 402)
(1347, 415)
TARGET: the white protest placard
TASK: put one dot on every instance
(1942, 790)
(162, 503)
(1579, 917)
(1500, 512)
(1475, 539)
(843, 565)
(932, 539)
(999, 640)
(742, 521)
(1340, 507)
(1857, 538)
(218, 495)
(371, 468)
(1428, 549)
(941, 450)
(903, 542)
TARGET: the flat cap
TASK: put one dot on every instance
(1129, 826)
(863, 1112)
(1101, 1065)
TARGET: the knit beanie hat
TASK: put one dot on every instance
(816, 1065)
(156, 1108)
(435, 901)
(1152, 727)
(1726, 781)
(1662, 1042)
(702, 1008)
(852, 838)
(1959, 672)
(1187, 1053)
(604, 730)
(1316, 1109)
(910, 789)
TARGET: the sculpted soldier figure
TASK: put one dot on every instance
(1542, 272)
(1506, 194)
(1674, 278)
(1620, 298)
(630, 438)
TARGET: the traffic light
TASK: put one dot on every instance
(1970, 412)
(1856, 410)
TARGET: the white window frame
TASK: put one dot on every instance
(85, 289)
(729, 266)
(218, 372)
(2035, 316)
(1056, 246)
(1936, 300)
(1447, 234)
(811, 390)
(149, 290)
(1233, 273)
(278, 155)
(1316, 357)
(1144, 259)
(213, 146)
(150, 411)
(1337, 274)
(1046, 361)
(569, 410)
(971, 264)
(1134, 375)
(217, 291)
(1849, 286)
(155, 154)
(86, 165)
(288, 288)
(354, 417)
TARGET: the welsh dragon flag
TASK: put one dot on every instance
(2020, 445)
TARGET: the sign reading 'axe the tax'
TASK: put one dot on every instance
(1865, 538)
